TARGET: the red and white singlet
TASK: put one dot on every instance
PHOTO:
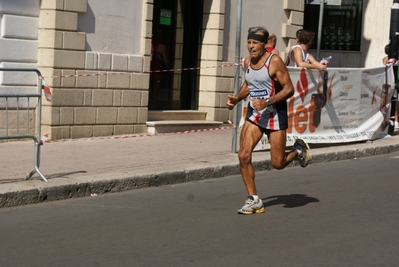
(261, 85)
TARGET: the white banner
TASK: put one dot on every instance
(338, 105)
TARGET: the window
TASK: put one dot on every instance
(342, 25)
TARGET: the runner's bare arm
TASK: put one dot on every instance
(234, 99)
(242, 93)
(313, 64)
(279, 72)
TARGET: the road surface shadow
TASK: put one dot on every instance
(62, 174)
(37, 177)
(7, 181)
(289, 201)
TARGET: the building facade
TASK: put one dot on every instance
(103, 60)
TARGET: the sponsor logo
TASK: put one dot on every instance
(261, 93)
(301, 118)
(302, 85)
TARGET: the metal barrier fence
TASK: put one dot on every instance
(19, 104)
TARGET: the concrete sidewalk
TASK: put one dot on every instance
(80, 168)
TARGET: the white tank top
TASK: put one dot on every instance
(261, 85)
(289, 62)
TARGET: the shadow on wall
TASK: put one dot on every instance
(88, 19)
(207, 10)
(227, 30)
(365, 43)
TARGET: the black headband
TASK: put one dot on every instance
(257, 37)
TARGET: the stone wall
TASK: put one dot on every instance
(95, 93)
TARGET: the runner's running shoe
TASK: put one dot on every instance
(252, 206)
(303, 152)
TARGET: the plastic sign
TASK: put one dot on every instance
(337, 105)
(326, 2)
(166, 17)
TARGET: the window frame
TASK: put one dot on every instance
(342, 25)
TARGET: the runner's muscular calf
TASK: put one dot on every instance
(251, 133)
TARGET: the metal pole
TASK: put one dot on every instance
(320, 29)
(237, 74)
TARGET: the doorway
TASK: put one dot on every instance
(176, 42)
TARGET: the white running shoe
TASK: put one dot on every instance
(252, 206)
(303, 152)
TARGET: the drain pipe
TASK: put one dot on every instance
(237, 74)
(319, 31)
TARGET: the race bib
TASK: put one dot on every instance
(259, 93)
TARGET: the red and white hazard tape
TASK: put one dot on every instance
(105, 73)
(47, 91)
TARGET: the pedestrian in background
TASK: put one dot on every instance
(271, 44)
(299, 56)
(385, 59)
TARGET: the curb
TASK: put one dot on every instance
(61, 189)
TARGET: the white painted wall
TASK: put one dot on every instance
(377, 18)
(112, 26)
(19, 22)
(254, 13)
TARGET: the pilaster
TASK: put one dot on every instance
(213, 80)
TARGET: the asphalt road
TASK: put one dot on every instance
(343, 214)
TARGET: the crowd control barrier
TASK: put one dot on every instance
(21, 110)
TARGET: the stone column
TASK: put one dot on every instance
(61, 52)
(215, 82)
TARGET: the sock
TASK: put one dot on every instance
(256, 197)
(300, 151)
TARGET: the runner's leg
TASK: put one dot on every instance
(278, 157)
(250, 136)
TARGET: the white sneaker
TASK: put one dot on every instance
(303, 152)
(252, 206)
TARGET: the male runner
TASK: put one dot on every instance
(268, 85)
